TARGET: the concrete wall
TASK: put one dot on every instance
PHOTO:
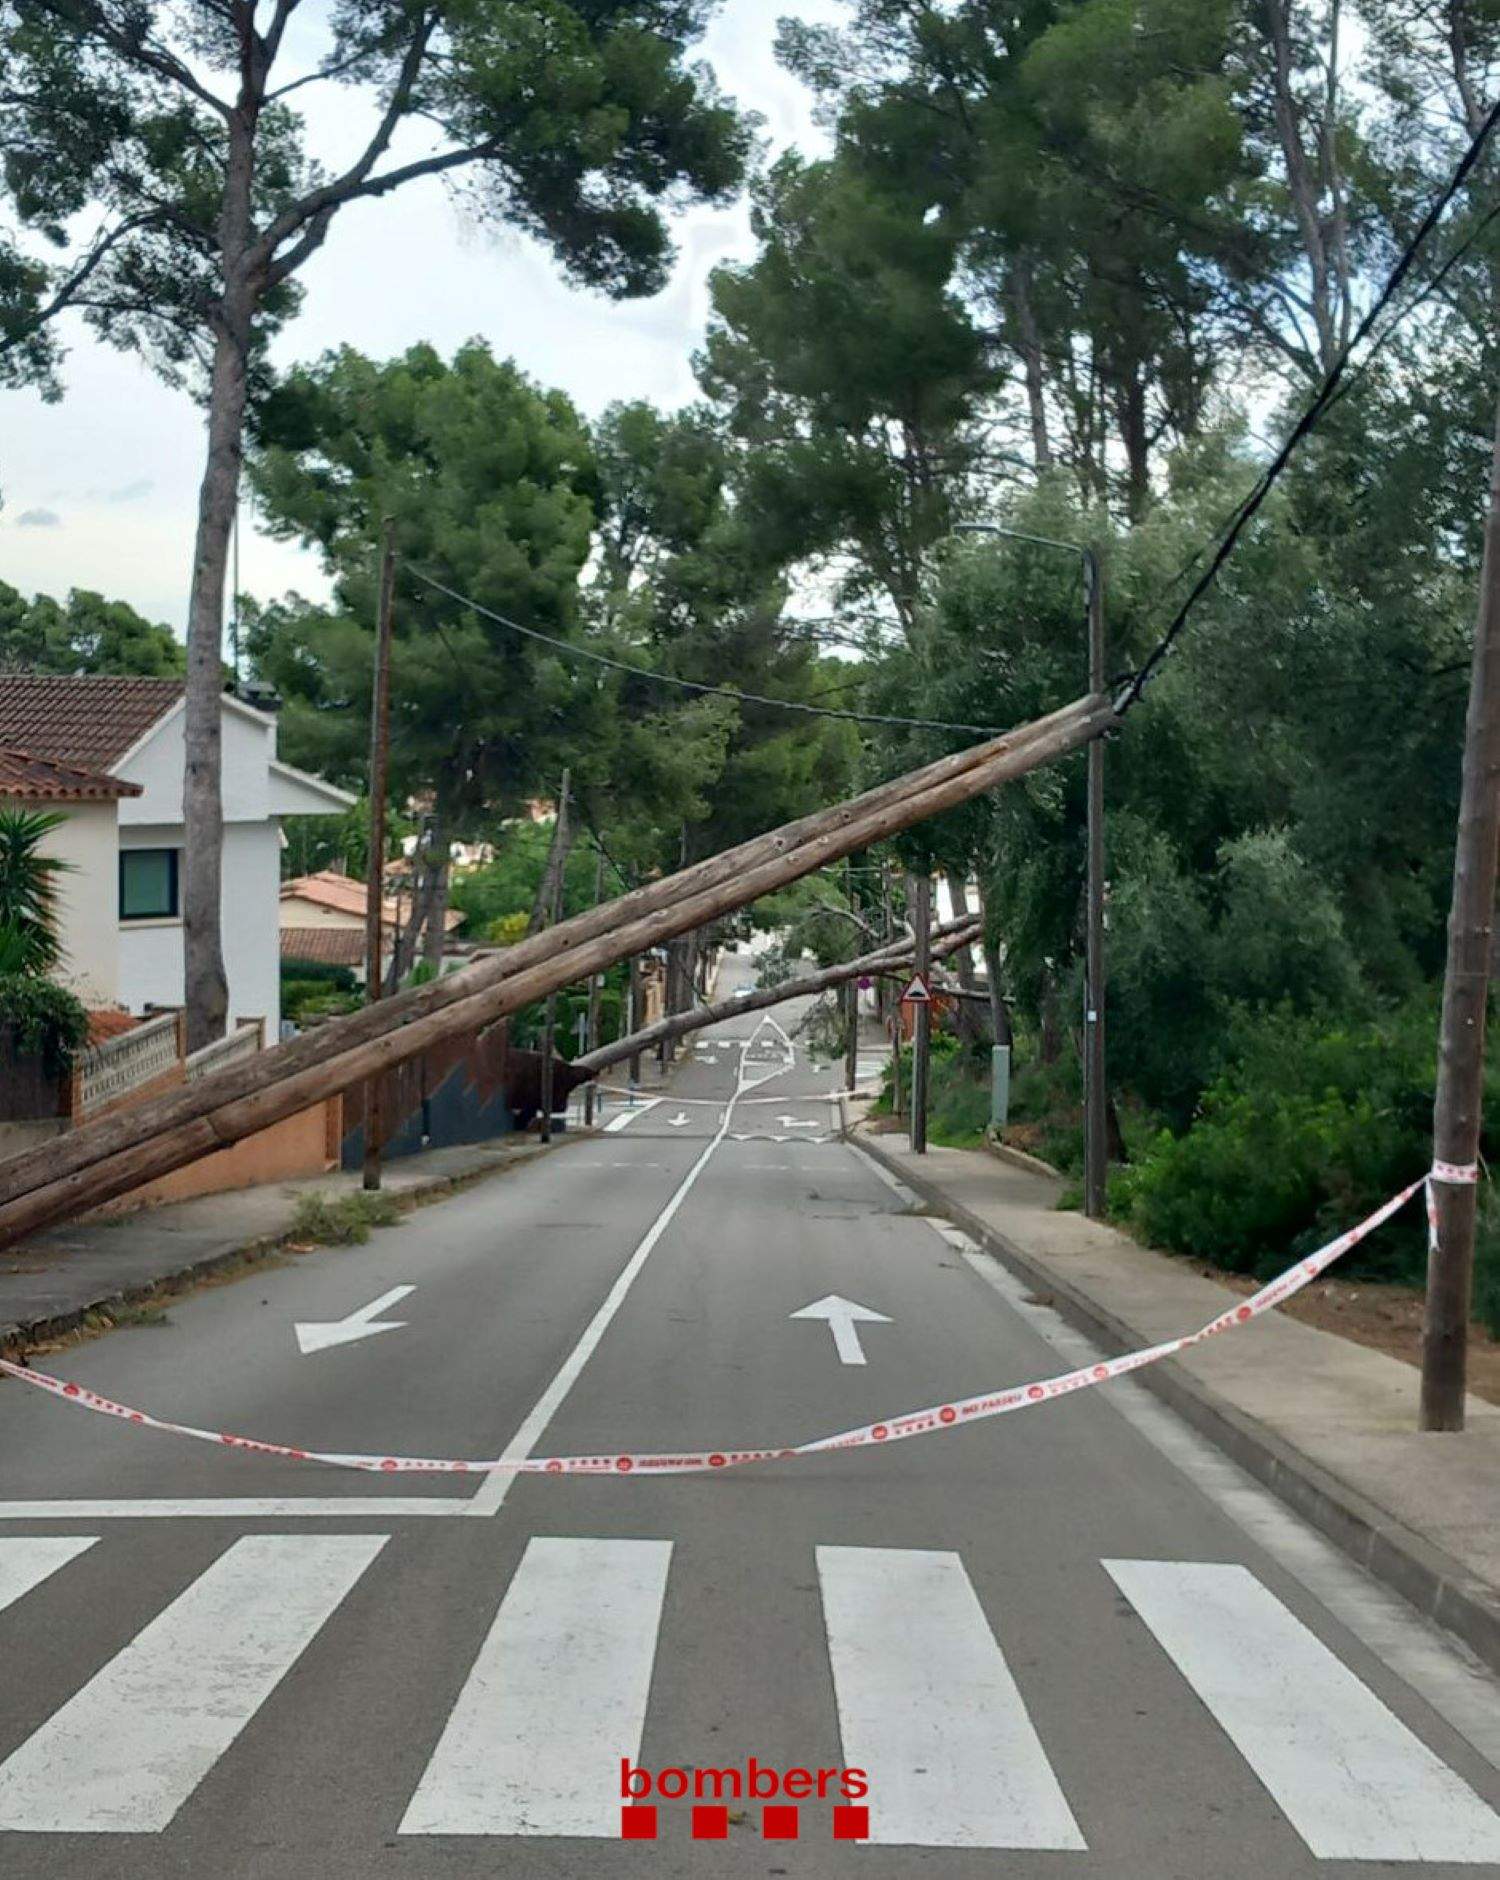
(151, 950)
(87, 896)
(305, 1144)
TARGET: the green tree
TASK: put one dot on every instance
(84, 634)
(179, 128)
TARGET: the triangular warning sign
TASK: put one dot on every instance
(918, 992)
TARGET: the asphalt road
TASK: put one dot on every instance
(1068, 1642)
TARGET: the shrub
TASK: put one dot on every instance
(49, 1021)
(343, 1220)
(1312, 1128)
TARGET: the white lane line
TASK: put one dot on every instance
(490, 1497)
(627, 1117)
(929, 1710)
(1353, 1781)
(26, 1563)
(124, 1754)
(239, 1508)
(556, 1697)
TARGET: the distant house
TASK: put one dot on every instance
(323, 919)
(111, 751)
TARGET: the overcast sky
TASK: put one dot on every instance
(100, 490)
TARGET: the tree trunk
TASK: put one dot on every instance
(1029, 346)
(1130, 412)
(1051, 1039)
(437, 910)
(205, 985)
(969, 1022)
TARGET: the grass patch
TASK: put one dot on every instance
(342, 1220)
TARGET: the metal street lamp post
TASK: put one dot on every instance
(1095, 1133)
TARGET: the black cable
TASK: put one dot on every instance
(692, 685)
(1326, 395)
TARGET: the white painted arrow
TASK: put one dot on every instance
(842, 1316)
(679, 1121)
(320, 1335)
(796, 1122)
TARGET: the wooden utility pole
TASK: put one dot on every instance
(116, 1152)
(1460, 1080)
(552, 891)
(1095, 1089)
(637, 992)
(851, 1001)
(596, 996)
(893, 1014)
(920, 888)
(895, 960)
(380, 755)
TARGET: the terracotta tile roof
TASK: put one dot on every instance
(342, 894)
(329, 946)
(109, 1023)
(46, 778)
(85, 719)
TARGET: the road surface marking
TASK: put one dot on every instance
(365, 1323)
(491, 1494)
(928, 1708)
(841, 1316)
(627, 1117)
(127, 1751)
(679, 1121)
(26, 1563)
(239, 1508)
(1349, 1776)
(556, 1697)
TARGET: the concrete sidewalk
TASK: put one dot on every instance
(1329, 1425)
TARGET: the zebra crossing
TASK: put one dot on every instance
(561, 1689)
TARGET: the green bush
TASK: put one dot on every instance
(343, 1220)
(1311, 1129)
(49, 1021)
(295, 972)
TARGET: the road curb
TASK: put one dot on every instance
(1439, 1586)
(19, 1336)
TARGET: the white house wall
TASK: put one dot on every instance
(87, 897)
(157, 765)
(151, 964)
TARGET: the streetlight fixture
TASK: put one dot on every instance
(1095, 1134)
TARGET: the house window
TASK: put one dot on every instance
(148, 884)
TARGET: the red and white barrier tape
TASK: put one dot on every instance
(896, 1429)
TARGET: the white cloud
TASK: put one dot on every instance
(39, 519)
(413, 267)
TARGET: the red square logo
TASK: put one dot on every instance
(638, 1822)
(711, 1822)
(778, 1822)
(851, 1822)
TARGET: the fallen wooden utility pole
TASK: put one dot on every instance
(945, 940)
(1460, 1080)
(120, 1152)
(1023, 749)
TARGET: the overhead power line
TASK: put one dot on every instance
(576, 651)
(1325, 396)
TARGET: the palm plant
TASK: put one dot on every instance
(29, 942)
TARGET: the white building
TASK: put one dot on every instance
(122, 900)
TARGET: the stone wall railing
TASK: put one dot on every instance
(112, 1070)
(245, 1042)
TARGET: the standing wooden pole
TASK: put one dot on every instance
(637, 992)
(1460, 1080)
(592, 1039)
(553, 893)
(921, 889)
(893, 1013)
(851, 1001)
(380, 757)
(1095, 1089)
